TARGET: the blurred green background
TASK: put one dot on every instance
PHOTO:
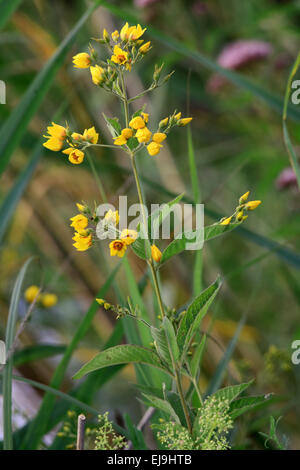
(237, 137)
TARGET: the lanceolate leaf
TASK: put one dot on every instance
(122, 354)
(171, 338)
(245, 404)
(231, 392)
(7, 8)
(162, 405)
(161, 344)
(195, 312)
(15, 126)
(185, 240)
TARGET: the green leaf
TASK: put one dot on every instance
(39, 425)
(134, 434)
(9, 341)
(36, 353)
(161, 344)
(122, 354)
(287, 140)
(7, 9)
(174, 399)
(171, 338)
(183, 240)
(113, 125)
(245, 404)
(15, 126)
(231, 392)
(193, 317)
(162, 405)
(195, 362)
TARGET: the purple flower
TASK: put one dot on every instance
(237, 54)
(286, 179)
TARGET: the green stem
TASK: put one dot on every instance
(183, 403)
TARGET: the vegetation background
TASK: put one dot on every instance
(238, 146)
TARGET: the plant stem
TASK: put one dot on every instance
(182, 399)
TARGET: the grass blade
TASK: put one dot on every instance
(286, 136)
(7, 9)
(39, 425)
(7, 373)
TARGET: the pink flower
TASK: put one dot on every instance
(286, 178)
(237, 54)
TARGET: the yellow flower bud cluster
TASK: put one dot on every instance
(46, 299)
(83, 239)
(239, 214)
(59, 135)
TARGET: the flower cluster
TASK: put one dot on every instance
(46, 299)
(239, 214)
(76, 143)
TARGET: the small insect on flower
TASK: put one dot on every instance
(79, 222)
(129, 236)
(48, 300)
(143, 135)
(156, 253)
(75, 156)
(82, 60)
(137, 123)
(154, 148)
(97, 74)
(118, 248)
(31, 293)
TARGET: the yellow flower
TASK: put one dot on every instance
(97, 74)
(159, 137)
(82, 60)
(80, 207)
(57, 131)
(105, 35)
(117, 248)
(129, 236)
(112, 217)
(156, 253)
(184, 121)
(137, 122)
(120, 140)
(53, 143)
(77, 136)
(226, 221)
(145, 116)
(100, 301)
(177, 116)
(119, 56)
(251, 205)
(244, 198)
(31, 293)
(79, 222)
(82, 243)
(91, 135)
(131, 32)
(143, 135)
(125, 135)
(115, 35)
(48, 300)
(154, 148)
(145, 47)
(164, 122)
(75, 156)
